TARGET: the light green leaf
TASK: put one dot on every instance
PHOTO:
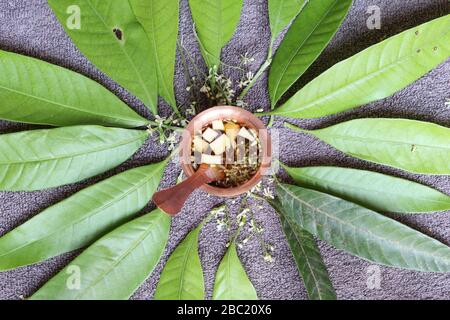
(307, 257)
(182, 276)
(114, 266)
(371, 189)
(362, 232)
(232, 283)
(307, 37)
(415, 146)
(80, 219)
(40, 159)
(160, 21)
(111, 38)
(281, 13)
(374, 73)
(215, 22)
(34, 91)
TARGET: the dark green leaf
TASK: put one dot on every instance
(374, 73)
(80, 219)
(160, 21)
(362, 232)
(232, 283)
(182, 276)
(307, 37)
(34, 91)
(415, 146)
(114, 266)
(111, 37)
(307, 257)
(371, 189)
(40, 159)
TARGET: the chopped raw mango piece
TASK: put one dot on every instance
(210, 159)
(200, 145)
(218, 125)
(219, 145)
(210, 134)
(245, 134)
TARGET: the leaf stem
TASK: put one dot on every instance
(255, 196)
(174, 128)
(236, 234)
(270, 124)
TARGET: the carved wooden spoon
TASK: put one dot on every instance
(172, 200)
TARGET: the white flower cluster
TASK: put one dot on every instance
(246, 60)
(263, 189)
(246, 222)
(222, 218)
(244, 82)
(167, 129)
(242, 217)
(191, 110)
(217, 88)
(255, 229)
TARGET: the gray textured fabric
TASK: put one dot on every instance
(29, 27)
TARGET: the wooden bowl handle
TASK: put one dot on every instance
(172, 200)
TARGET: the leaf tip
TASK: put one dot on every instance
(294, 127)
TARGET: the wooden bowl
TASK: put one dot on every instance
(223, 113)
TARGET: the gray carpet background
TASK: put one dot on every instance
(29, 27)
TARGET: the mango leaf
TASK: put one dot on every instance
(160, 21)
(307, 37)
(80, 219)
(109, 35)
(114, 266)
(182, 276)
(415, 146)
(371, 189)
(307, 257)
(232, 283)
(34, 91)
(40, 159)
(215, 22)
(362, 232)
(374, 73)
(281, 13)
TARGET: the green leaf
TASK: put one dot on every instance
(160, 21)
(80, 219)
(374, 73)
(34, 91)
(232, 283)
(182, 276)
(114, 266)
(111, 38)
(281, 13)
(415, 146)
(371, 189)
(362, 232)
(215, 22)
(307, 257)
(40, 159)
(307, 37)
